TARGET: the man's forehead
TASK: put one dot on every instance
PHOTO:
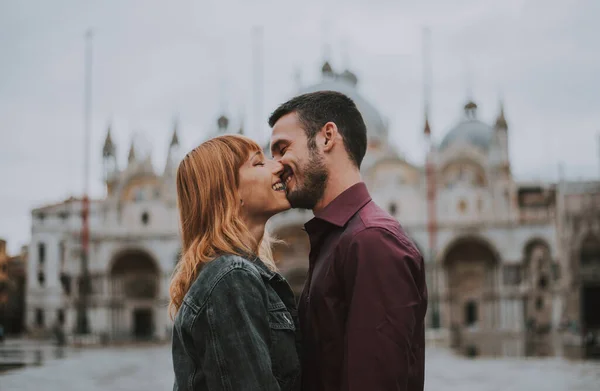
(288, 128)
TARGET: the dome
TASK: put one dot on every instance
(376, 127)
(469, 130)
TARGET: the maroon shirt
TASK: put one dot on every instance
(363, 306)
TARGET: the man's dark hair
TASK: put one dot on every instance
(315, 109)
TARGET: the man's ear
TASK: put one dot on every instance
(330, 135)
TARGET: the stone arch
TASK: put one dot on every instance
(468, 238)
(537, 256)
(589, 250)
(589, 277)
(533, 243)
(538, 275)
(134, 274)
(124, 258)
(134, 278)
(470, 265)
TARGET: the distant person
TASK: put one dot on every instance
(363, 307)
(235, 315)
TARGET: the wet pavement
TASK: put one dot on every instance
(149, 368)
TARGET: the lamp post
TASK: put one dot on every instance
(83, 326)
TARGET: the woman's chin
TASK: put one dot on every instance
(282, 206)
(285, 206)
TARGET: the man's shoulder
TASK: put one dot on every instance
(373, 224)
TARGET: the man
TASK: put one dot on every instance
(363, 306)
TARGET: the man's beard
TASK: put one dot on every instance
(312, 189)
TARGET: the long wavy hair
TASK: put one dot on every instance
(210, 211)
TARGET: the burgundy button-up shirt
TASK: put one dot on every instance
(363, 306)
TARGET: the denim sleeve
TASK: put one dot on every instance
(237, 356)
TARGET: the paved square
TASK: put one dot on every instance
(149, 368)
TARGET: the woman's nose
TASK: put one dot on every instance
(276, 167)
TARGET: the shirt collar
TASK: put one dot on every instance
(343, 207)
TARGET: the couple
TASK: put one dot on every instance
(360, 321)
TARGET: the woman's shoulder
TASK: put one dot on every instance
(223, 268)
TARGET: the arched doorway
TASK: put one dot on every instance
(134, 287)
(291, 256)
(589, 272)
(471, 300)
(537, 303)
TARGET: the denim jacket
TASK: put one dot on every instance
(237, 330)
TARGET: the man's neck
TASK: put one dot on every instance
(336, 185)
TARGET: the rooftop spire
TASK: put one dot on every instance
(131, 156)
(223, 123)
(109, 146)
(427, 128)
(426, 36)
(471, 110)
(175, 138)
(501, 120)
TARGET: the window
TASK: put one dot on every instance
(556, 271)
(63, 216)
(543, 282)
(470, 313)
(39, 317)
(62, 253)
(41, 253)
(60, 316)
(462, 206)
(145, 218)
(41, 216)
(41, 278)
(65, 281)
(512, 275)
(539, 303)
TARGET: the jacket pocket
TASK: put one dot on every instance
(284, 356)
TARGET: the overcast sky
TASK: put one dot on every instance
(154, 60)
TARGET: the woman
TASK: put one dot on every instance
(235, 316)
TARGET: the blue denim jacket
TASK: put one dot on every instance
(237, 330)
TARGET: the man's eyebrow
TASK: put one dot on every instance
(276, 145)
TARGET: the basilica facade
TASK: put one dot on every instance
(500, 275)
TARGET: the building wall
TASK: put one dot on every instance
(12, 290)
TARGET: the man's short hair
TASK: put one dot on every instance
(315, 109)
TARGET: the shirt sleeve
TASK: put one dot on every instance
(381, 274)
(237, 353)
